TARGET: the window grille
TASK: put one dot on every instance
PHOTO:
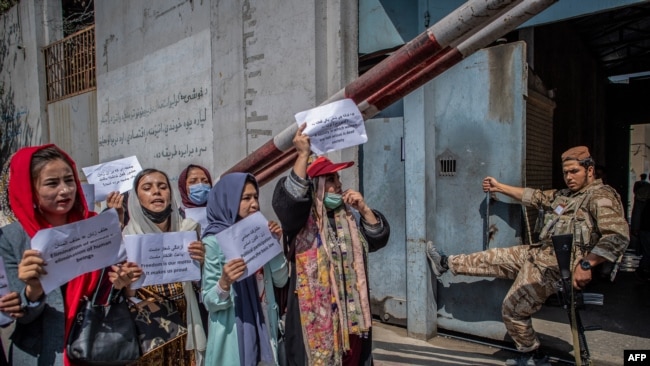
(447, 164)
(70, 65)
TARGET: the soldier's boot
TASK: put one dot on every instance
(534, 358)
(437, 259)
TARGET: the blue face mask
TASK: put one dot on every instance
(199, 193)
(332, 200)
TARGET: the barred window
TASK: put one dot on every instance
(70, 65)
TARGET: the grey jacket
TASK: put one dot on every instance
(38, 338)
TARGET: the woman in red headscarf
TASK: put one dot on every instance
(44, 192)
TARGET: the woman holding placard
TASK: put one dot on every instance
(153, 209)
(243, 312)
(329, 232)
(44, 192)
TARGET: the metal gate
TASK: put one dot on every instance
(473, 118)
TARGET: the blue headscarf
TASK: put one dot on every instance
(222, 208)
(223, 212)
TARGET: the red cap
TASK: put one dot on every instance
(323, 166)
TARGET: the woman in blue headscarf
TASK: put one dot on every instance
(243, 314)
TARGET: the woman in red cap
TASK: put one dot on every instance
(329, 233)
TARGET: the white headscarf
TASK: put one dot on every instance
(140, 224)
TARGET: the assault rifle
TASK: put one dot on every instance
(573, 300)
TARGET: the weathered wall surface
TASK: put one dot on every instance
(208, 82)
(153, 83)
(24, 29)
(73, 127)
(271, 62)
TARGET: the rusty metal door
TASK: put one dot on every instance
(480, 130)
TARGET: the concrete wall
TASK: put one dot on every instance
(24, 30)
(153, 83)
(74, 127)
(208, 82)
(270, 62)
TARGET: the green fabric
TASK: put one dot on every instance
(222, 332)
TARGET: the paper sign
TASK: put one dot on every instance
(4, 290)
(199, 215)
(333, 126)
(116, 175)
(73, 249)
(163, 257)
(251, 240)
(89, 194)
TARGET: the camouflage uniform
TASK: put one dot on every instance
(594, 215)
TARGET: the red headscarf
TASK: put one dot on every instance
(23, 203)
(182, 185)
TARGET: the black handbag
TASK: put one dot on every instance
(157, 320)
(103, 334)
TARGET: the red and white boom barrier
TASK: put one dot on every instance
(469, 28)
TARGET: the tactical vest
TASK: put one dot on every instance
(570, 215)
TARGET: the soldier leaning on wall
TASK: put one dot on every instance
(588, 209)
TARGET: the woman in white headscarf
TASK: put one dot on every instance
(153, 209)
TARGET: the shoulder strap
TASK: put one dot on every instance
(99, 285)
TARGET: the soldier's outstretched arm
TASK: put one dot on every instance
(492, 185)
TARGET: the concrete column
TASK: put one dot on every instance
(421, 305)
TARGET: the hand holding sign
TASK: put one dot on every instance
(232, 272)
(30, 270)
(197, 251)
(73, 249)
(165, 257)
(251, 240)
(235, 268)
(333, 126)
(123, 275)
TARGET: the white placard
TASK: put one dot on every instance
(333, 126)
(4, 290)
(163, 257)
(251, 240)
(83, 246)
(199, 215)
(116, 175)
(89, 193)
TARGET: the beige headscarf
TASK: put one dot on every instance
(140, 224)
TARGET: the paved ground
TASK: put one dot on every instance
(392, 347)
(624, 318)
